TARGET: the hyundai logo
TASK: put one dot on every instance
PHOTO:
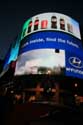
(76, 62)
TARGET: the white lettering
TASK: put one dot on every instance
(36, 40)
(73, 44)
(61, 40)
(74, 70)
(51, 39)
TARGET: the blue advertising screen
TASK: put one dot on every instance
(12, 53)
(74, 64)
(49, 43)
(50, 52)
(50, 39)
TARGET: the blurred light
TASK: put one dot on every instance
(48, 72)
(12, 91)
(75, 95)
(76, 85)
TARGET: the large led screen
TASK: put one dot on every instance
(74, 64)
(50, 52)
(50, 39)
(41, 61)
(49, 43)
(12, 53)
(53, 22)
(50, 61)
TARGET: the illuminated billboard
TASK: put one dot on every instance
(74, 64)
(12, 53)
(53, 22)
(50, 44)
(50, 39)
(50, 52)
(50, 61)
(41, 61)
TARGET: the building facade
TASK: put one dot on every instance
(48, 55)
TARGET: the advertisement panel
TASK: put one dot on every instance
(53, 22)
(12, 52)
(49, 43)
(50, 39)
(48, 52)
(41, 61)
(12, 55)
(50, 61)
(74, 64)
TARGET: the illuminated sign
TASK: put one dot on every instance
(49, 43)
(74, 64)
(12, 53)
(41, 61)
(50, 39)
(50, 61)
(53, 22)
(50, 52)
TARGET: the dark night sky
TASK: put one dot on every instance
(14, 13)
